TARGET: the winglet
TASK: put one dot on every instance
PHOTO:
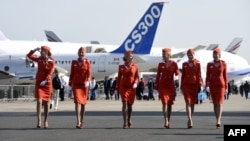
(140, 39)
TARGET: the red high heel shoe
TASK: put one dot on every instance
(218, 126)
(46, 125)
(79, 126)
(167, 126)
(125, 126)
(189, 125)
(38, 125)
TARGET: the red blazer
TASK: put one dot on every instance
(45, 67)
(165, 74)
(191, 75)
(80, 74)
(127, 76)
(216, 76)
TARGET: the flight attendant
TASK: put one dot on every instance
(216, 83)
(191, 82)
(165, 85)
(79, 80)
(126, 84)
(43, 84)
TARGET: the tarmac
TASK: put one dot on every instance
(103, 121)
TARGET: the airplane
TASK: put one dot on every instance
(106, 64)
(233, 47)
(14, 64)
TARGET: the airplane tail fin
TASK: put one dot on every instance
(140, 39)
(3, 37)
(51, 36)
(234, 46)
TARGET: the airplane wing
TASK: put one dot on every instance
(181, 54)
(199, 47)
(6, 75)
(212, 46)
(138, 59)
(61, 70)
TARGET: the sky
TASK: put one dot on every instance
(184, 23)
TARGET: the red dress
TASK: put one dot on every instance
(79, 74)
(191, 81)
(164, 82)
(44, 72)
(216, 80)
(127, 76)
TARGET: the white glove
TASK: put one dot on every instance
(115, 92)
(181, 91)
(134, 86)
(37, 49)
(86, 84)
(226, 91)
(208, 89)
(43, 83)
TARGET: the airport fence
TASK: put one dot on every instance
(10, 93)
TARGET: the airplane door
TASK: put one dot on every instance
(101, 63)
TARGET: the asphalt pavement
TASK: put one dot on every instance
(103, 121)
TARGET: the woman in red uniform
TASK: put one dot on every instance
(164, 83)
(80, 77)
(216, 83)
(126, 84)
(43, 85)
(191, 81)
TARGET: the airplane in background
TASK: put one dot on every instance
(14, 64)
(106, 64)
(51, 36)
(233, 47)
(3, 37)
